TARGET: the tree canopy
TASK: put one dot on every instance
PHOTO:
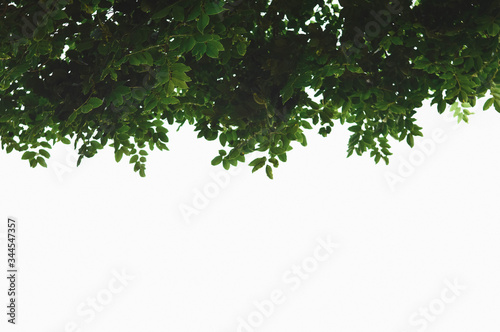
(255, 74)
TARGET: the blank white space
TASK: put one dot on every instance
(396, 247)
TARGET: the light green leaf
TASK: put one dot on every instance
(305, 124)
(213, 48)
(199, 49)
(488, 103)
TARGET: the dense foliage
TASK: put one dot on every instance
(117, 72)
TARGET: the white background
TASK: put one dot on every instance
(397, 245)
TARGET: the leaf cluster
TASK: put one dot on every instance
(254, 75)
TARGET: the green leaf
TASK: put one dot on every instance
(118, 155)
(188, 44)
(214, 7)
(222, 139)
(494, 29)
(441, 106)
(123, 129)
(259, 164)
(41, 161)
(44, 153)
(269, 172)
(180, 67)
(58, 15)
(138, 93)
(202, 22)
(181, 76)
(305, 124)
(170, 101)
(95, 102)
(86, 108)
(199, 49)
(136, 59)
(161, 13)
(150, 103)
(397, 41)
(28, 155)
(178, 13)
(180, 83)
(355, 69)
(274, 161)
(497, 105)
(241, 48)
(148, 59)
(385, 43)
(217, 160)
(410, 140)
(203, 38)
(488, 104)
(287, 92)
(257, 161)
(213, 48)
(194, 13)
